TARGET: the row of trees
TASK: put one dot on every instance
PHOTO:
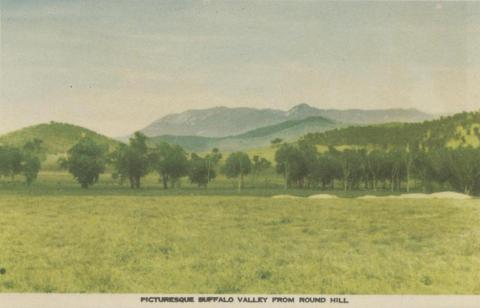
(394, 168)
(24, 161)
(397, 168)
(131, 162)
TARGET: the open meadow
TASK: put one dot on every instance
(56, 237)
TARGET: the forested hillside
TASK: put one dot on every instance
(453, 131)
(289, 127)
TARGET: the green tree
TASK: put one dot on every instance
(10, 161)
(35, 146)
(259, 165)
(409, 159)
(276, 142)
(295, 163)
(436, 169)
(352, 166)
(374, 165)
(395, 164)
(32, 154)
(326, 169)
(306, 164)
(213, 159)
(30, 168)
(285, 158)
(86, 160)
(199, 172)
(238, 164)
(132, 161)
(463, 165)
(171, 163)
(430, 167)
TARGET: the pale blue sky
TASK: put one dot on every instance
(115, 66)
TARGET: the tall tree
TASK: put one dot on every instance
(132, 161)
(259, 164)
(374, 163)
(199, 172)
(327, 168)
(10, 161)
(463, 165)
(171, 163)
(32, 154)
(285, 158)
(420, 168)
(86, 160)
(409, 159)
(396, 167)
(351, 162)
(238, 165)
(212, 159)
(295, 162)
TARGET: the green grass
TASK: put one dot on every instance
(56, 237)
(236, 244)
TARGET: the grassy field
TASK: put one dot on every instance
(231, 244)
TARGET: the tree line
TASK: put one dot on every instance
(131, 162)
(395, 168)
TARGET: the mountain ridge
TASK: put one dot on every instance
(221, 121)
(260, 137)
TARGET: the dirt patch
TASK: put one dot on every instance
(415, 196)
(439, 195)
(323, 196)
(368, 197)
(450, 195)
(286, 197)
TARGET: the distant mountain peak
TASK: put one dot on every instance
(220, 121)
(301, 106)
(302, 111)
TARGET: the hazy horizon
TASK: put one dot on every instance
(219, 106)
(116, 66)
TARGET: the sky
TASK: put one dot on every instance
(115, 66)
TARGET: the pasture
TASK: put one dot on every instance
(62, 239)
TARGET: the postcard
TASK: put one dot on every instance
(239, 153)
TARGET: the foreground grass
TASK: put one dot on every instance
(238, 244)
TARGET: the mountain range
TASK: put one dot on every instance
(230, 129)
(223, 121)
(256, 138)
